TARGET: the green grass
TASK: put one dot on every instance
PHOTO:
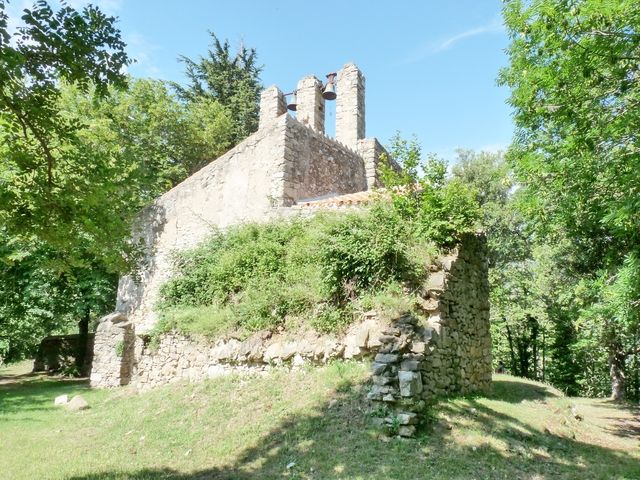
(313, 420)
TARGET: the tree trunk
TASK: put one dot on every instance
(616, 372)
(512, 355)
(534, 328)
(83, 340)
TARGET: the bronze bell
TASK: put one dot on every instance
(292, 104)
(329, 92)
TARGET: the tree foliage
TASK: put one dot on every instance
(232, 80)
(82, 148)
(575, 90)
(46, 182)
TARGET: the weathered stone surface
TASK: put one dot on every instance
(378, 368)
(407, 418)
(410, 365)
(410, 383)
(61, 400)
(386, 358)
(77, 403)
(407, 431)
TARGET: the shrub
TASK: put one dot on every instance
(322, 270)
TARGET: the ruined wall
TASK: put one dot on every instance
(449, 353)
(177, 357)
(416, 359)
(113, 351)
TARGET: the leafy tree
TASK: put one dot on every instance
(150, 141)
(231, 80)
(573, 75)
(439, 208)
(37, 300)
(79, 157)
(47, 186)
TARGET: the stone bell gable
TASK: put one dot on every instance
(287, 161)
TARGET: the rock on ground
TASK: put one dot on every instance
(77, 403)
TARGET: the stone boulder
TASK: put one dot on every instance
(77, 403)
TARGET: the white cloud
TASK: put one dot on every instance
(438, 46)
(142, 51)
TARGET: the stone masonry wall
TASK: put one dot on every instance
(242, 185)
(449, 353)
(181, 358)
(113, 352)
(445, 351)
(282, 163)
(313, 162)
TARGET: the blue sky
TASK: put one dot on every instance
(430, 65)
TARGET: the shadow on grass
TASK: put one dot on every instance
(510, 389)
(336, 441)
(624, 427)
(36, 392)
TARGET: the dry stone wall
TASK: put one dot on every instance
(448, 353)
(177, 357)
(415, 358)
(113, 352)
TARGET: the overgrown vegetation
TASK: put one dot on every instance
(322, 271)
(573, 74)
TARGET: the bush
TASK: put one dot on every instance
(325, 270)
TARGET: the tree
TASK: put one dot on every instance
(150, 142)
(47, 186)
(231, 80)
(575, 90)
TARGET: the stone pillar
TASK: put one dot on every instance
(272, 105)
(310, 111)
(370, 150)
(113, 352)
(350, 106)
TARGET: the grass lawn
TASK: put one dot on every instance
(307, 424)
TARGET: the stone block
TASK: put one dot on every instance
(378, 368)
(410, 383)
(409, 418)
(387, 358)
(410, 365)
(407, 431)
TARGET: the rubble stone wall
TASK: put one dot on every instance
(318, 166)
(449, 352)
(415, 358)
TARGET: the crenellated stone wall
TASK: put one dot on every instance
(311, 163)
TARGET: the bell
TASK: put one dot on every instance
(292, 104)
(329, 92)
